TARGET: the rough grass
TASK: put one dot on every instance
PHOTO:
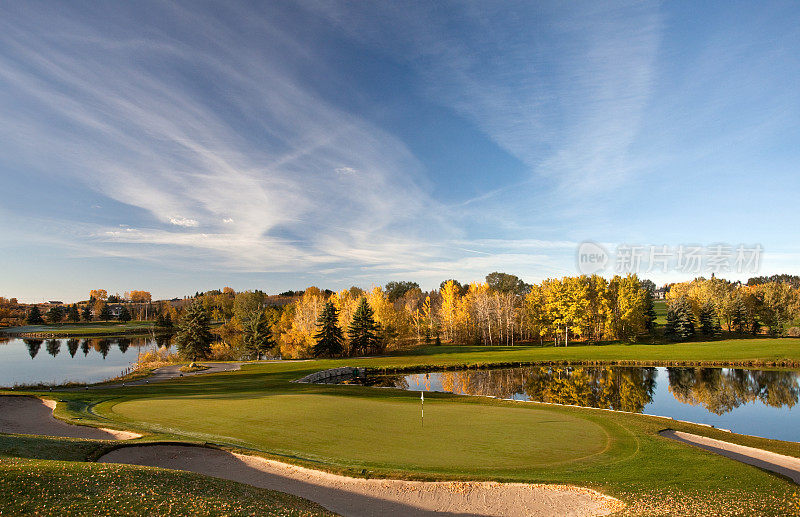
(49, 477)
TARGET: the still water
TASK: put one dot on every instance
(56, 361)
(754, 402)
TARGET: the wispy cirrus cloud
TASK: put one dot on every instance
(213, 136)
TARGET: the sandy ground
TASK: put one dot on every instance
(166, 373)
(373, 497)
(786, 465)
(30, 415)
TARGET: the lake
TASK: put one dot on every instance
(56, 361)
(755, 402)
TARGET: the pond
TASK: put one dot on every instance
(755, 402)
(56, 361)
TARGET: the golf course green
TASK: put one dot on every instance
(374, 432)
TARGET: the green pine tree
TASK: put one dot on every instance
(194, 337)
(105, 313)
(364, 331)
(708, 319)
(680, 320)
(329, 337)
(86, 313)
(124, 315)
(257, 336)
(55, 314)
(73, 314)
(35, 317)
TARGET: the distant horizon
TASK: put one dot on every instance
(157, 297)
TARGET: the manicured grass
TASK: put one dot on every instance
(731, 351)
(67, 485)
(378, 432)
(660, 307)
(92, 328)
(351, 431)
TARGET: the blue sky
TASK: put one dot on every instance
(177, 147)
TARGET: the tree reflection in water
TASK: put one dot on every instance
(719, 390)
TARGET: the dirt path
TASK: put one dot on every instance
(372, 497)
(166, 373)
(788, 466)
(30, 415)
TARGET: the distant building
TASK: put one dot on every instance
(660, 294)
(55, 302)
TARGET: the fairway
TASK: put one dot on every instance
(379, 434)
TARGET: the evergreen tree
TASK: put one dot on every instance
(364, 331)
(55, 314)
(329, 337)
(168, 321)
(35, 317)
(124, 315)
(708, 319)
(105, 313)
(680, 320)
(257, 337)
(194, 337)
(739, 316)
(86, 313)
(649, 310)
(73, 314)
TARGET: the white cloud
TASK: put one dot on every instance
(183, 221)
(104, 113)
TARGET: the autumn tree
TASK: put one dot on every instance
(98, 295)
(139, 296)
(396, 290)
(194, 337)
(329, 337)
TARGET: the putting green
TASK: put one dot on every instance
(345, 431)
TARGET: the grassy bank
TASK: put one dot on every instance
(86, 329)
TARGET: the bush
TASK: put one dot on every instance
(793, 332)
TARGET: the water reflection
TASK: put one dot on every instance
(72, 346)
(31, 360)
(718, 390)
(33, 346)
(722, 390)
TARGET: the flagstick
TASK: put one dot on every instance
(422, 406)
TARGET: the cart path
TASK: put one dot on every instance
(788, 466)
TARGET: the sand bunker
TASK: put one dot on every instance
(370, 497)
(30, 415)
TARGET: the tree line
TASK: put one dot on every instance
(706, 307)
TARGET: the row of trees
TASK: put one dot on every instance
(709, 306)
(502, 310)
(72, 314)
